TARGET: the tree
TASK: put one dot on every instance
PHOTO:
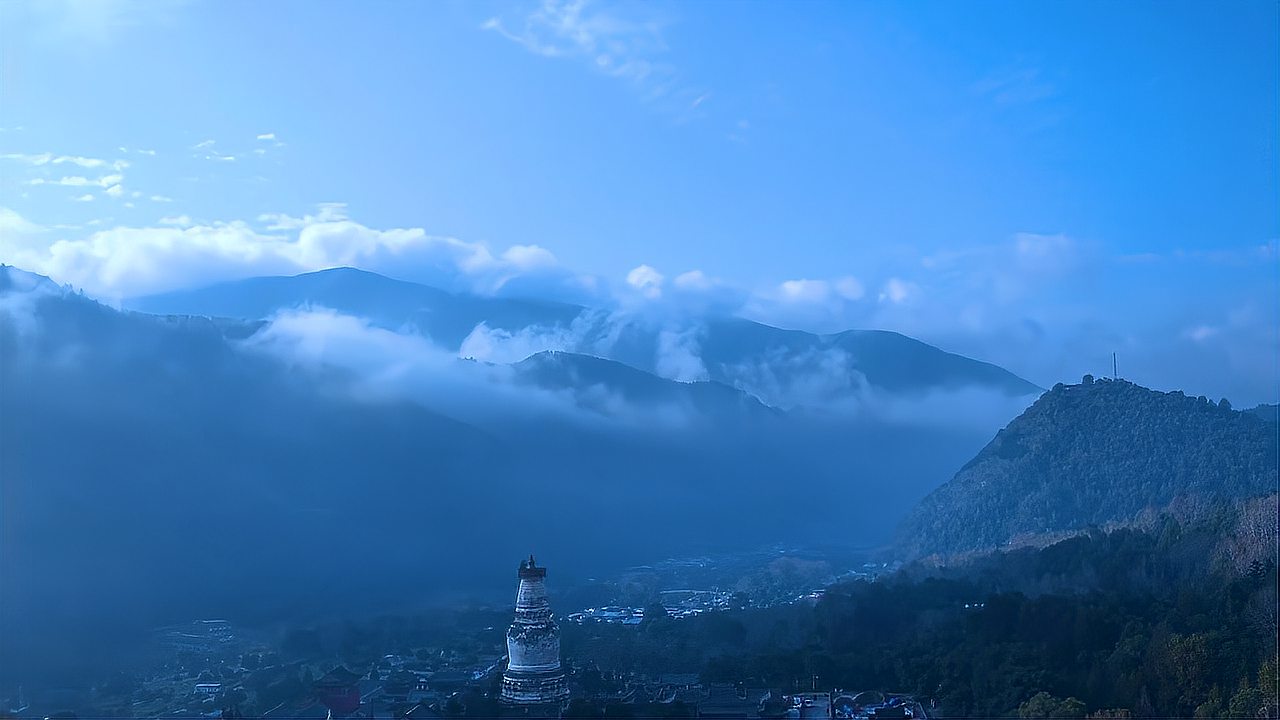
(656, 618)
(1212, 707)
(1044, 705)
(1246, 702)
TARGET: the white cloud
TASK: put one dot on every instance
(267, 138)
(480, 393)
(647, 280)
(503, 346)
(679, 356)
(811, 377)
(85, 27)
(208, 152)
(161, 199)
(325, 212)
(816, 304)
(898, 291)
(41, 159)
(387, 364)
(38, 159)
(849, 288)
(693, 280)
(182, 252)
(623, 42)
(1200, 333)
(528, 257)
(695, 293)
(80, 181)
(820, 291)
(804, 290)
(87, 197)
(115, 191)
(14, 225)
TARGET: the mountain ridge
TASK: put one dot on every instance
(562, 370)
(765, 361)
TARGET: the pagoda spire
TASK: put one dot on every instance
(533, 675)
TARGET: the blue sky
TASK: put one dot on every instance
(1035, 184)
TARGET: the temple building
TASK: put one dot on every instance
(339, 690)
(533, 675)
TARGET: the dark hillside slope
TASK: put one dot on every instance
(595, 381)
(151, 473)
(1090, 454)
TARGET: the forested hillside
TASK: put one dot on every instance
(1175, 620)
(1089, 454)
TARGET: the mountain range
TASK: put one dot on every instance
(774, 364)
(341, 442)
(278, 459)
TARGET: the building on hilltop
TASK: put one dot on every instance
(533, 675)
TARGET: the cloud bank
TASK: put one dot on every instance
(1048, 307)
(181, 252)
(478, 385)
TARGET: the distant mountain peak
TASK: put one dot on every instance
(13, 279)
(343, 270)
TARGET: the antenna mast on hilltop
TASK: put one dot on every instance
(1114, 374)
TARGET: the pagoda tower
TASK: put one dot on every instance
(533, 675)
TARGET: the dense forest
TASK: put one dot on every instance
(1088, 454)
(1173, 619)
